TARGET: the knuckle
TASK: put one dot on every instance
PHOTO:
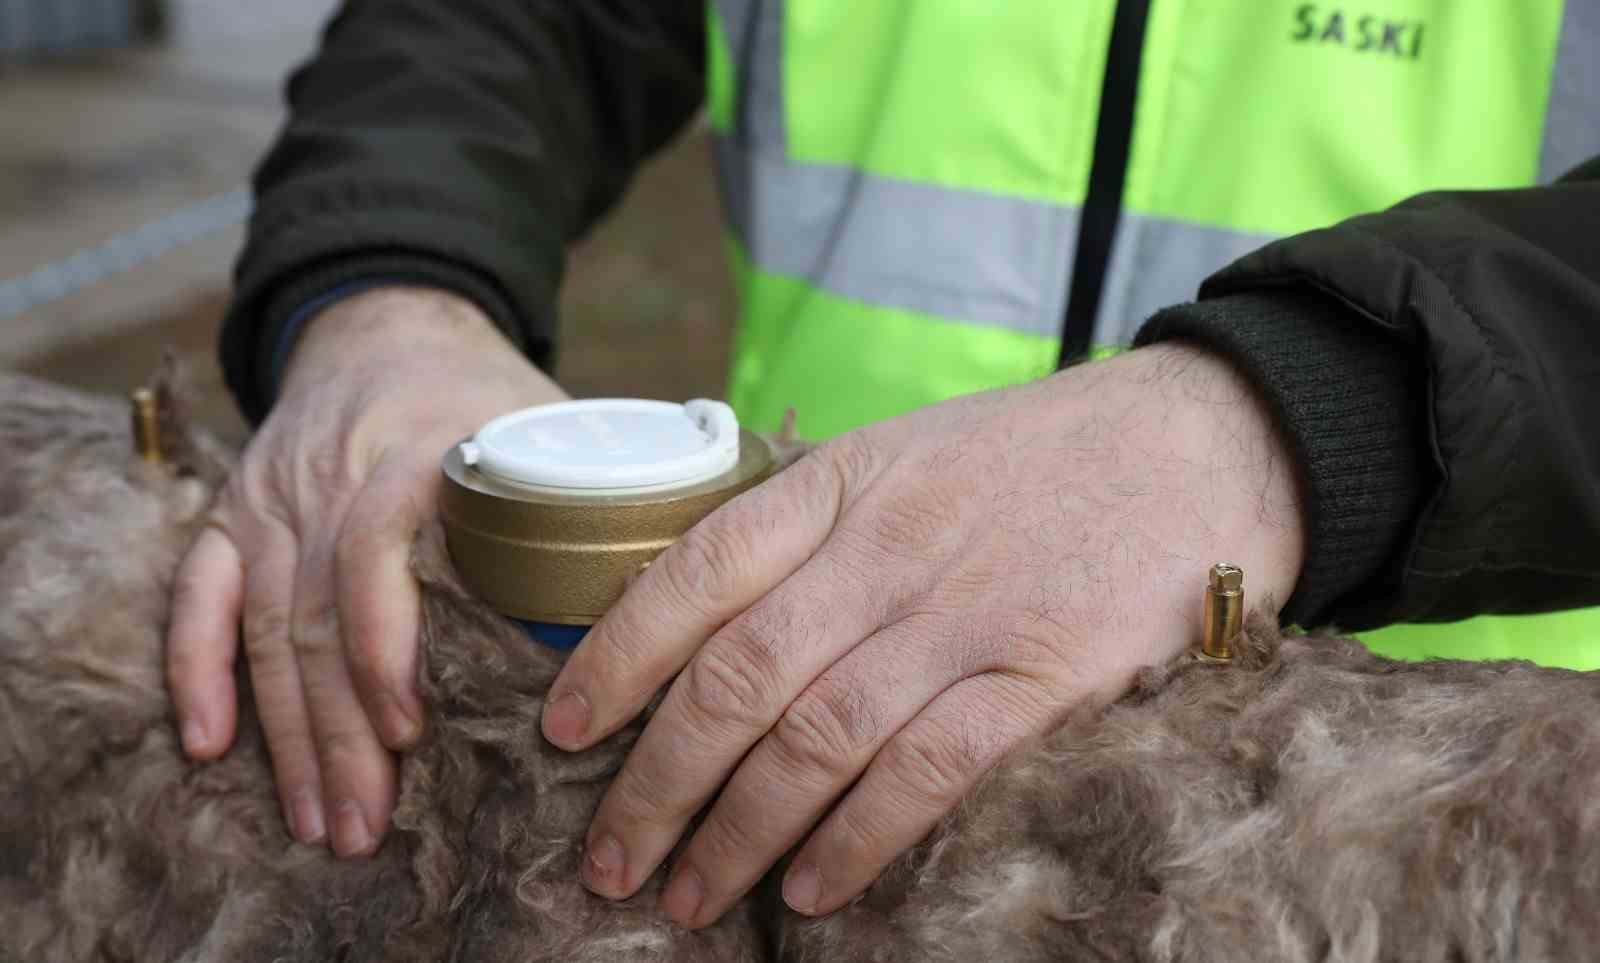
(728, 685)
(378, 521)
(316, 634)
(947, 644)
(627, 643)
(855, 840)
(294, 764)
(925, 521)
(825, 733)
(957, 640)
(630, 807)
(933, 764)
(702, 569)
(849, 458)
(294, 757)
(325, 468)
(343, 752)
(356, 545)
(266, 629)
(725, 840)
(1057, 654)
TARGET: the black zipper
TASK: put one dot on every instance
(1102, 207)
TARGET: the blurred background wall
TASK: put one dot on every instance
(128, 131)
(54, 27)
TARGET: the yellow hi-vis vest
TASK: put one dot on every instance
(905, 179)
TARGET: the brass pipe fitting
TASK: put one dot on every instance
(146, 418)
(1224, 612)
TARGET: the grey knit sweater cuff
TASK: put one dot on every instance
(1350, 402)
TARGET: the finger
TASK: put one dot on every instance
(722, 704)
(919, 777)
(717, 570)
(357, 771)
(380, 606)
(275, 677)
(820, 745)
(203, 641)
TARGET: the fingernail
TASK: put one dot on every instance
(602, 865)
(682, 899)
(398, 726)
(802, 888)
(566, 719)
(305, 813)
(351, 837)
(194, 737)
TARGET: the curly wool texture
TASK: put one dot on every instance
(1311, 801)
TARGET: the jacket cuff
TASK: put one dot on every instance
(285, 306)
(298, 252)
(1349, 401)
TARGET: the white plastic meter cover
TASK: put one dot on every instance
(608, 444)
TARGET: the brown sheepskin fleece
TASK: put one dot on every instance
(1309, 802)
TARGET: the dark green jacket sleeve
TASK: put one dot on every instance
(1474, 317)
(458, 143)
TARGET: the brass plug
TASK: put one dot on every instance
(146, 425)
(1224, 612)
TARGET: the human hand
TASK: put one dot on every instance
(889, 617)
(310, 543)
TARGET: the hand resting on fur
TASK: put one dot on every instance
(1311, 801)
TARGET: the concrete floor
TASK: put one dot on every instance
(104, 144)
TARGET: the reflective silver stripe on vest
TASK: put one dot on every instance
(964, 255)
(1572, 119)
(1156, 262)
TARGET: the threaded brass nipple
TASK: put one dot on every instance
(1224, 612)
(146, 425)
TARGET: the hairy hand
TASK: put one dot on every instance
(309, 547)
(857, 641)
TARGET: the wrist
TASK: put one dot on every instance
(1246, 451)
(380, 327)
(1221, 460)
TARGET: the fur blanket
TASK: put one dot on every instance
(1309, 802)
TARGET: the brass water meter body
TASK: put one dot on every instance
(551, 556)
